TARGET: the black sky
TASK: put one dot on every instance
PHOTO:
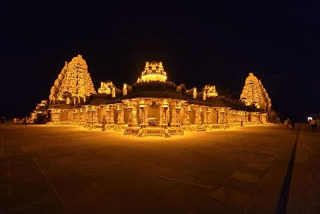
(198, 44)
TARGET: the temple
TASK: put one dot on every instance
(151, 106)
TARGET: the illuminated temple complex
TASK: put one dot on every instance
(151, 106)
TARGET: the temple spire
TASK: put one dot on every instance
(153, 71)
(254, 93)
(74, 79)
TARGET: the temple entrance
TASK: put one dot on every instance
(153, 114)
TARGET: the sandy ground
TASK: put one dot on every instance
(47, 169)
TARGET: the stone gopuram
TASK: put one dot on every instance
(254, 93)
(151, 106)
(73, 83)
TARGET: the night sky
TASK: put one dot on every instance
(198, 43)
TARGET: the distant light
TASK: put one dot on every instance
(309, 118)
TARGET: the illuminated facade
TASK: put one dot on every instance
(151, 106)
(153, 71)
(73, 84)
(254, 93)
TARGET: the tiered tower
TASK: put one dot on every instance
(254, 93)
(153, 71)
(74, 81)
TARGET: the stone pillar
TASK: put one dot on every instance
(88, 118)
(112, 115)
(74, 115)
(168, 115)
(109, 115)
(129, 108)
(251, 116)
(95, 114)
(241, 118)
(174, 115)
(132, 115)
(178, 111)
(164, 118)
(187, 115)
(205, 117)
(78, 113)
(218, 115)
(223, 116)
(142, 113)
(161, 115)
(197, 116)
(209, 115)
(146, 116)
(232, 116)
(120, 118)
(69, 115)
(235, 116)
(226, 115)
(82, 116)
(164, 113)
(55, 115)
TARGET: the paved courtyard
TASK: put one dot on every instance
(47, 169)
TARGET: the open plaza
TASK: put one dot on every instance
(48, 169)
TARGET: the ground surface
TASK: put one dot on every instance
(69, 170)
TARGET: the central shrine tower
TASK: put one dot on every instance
(153, 71)
(254, 93)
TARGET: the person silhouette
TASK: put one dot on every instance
(313, 124)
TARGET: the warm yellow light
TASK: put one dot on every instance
(107, 88)
(153, 71)
(74, 78)
(210, 91)
(142, 104)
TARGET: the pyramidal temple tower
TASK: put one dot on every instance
(254, 93)
(73, 83)
(153, 71)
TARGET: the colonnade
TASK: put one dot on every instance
(153, 112)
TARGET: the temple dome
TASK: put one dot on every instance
(153, 71)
